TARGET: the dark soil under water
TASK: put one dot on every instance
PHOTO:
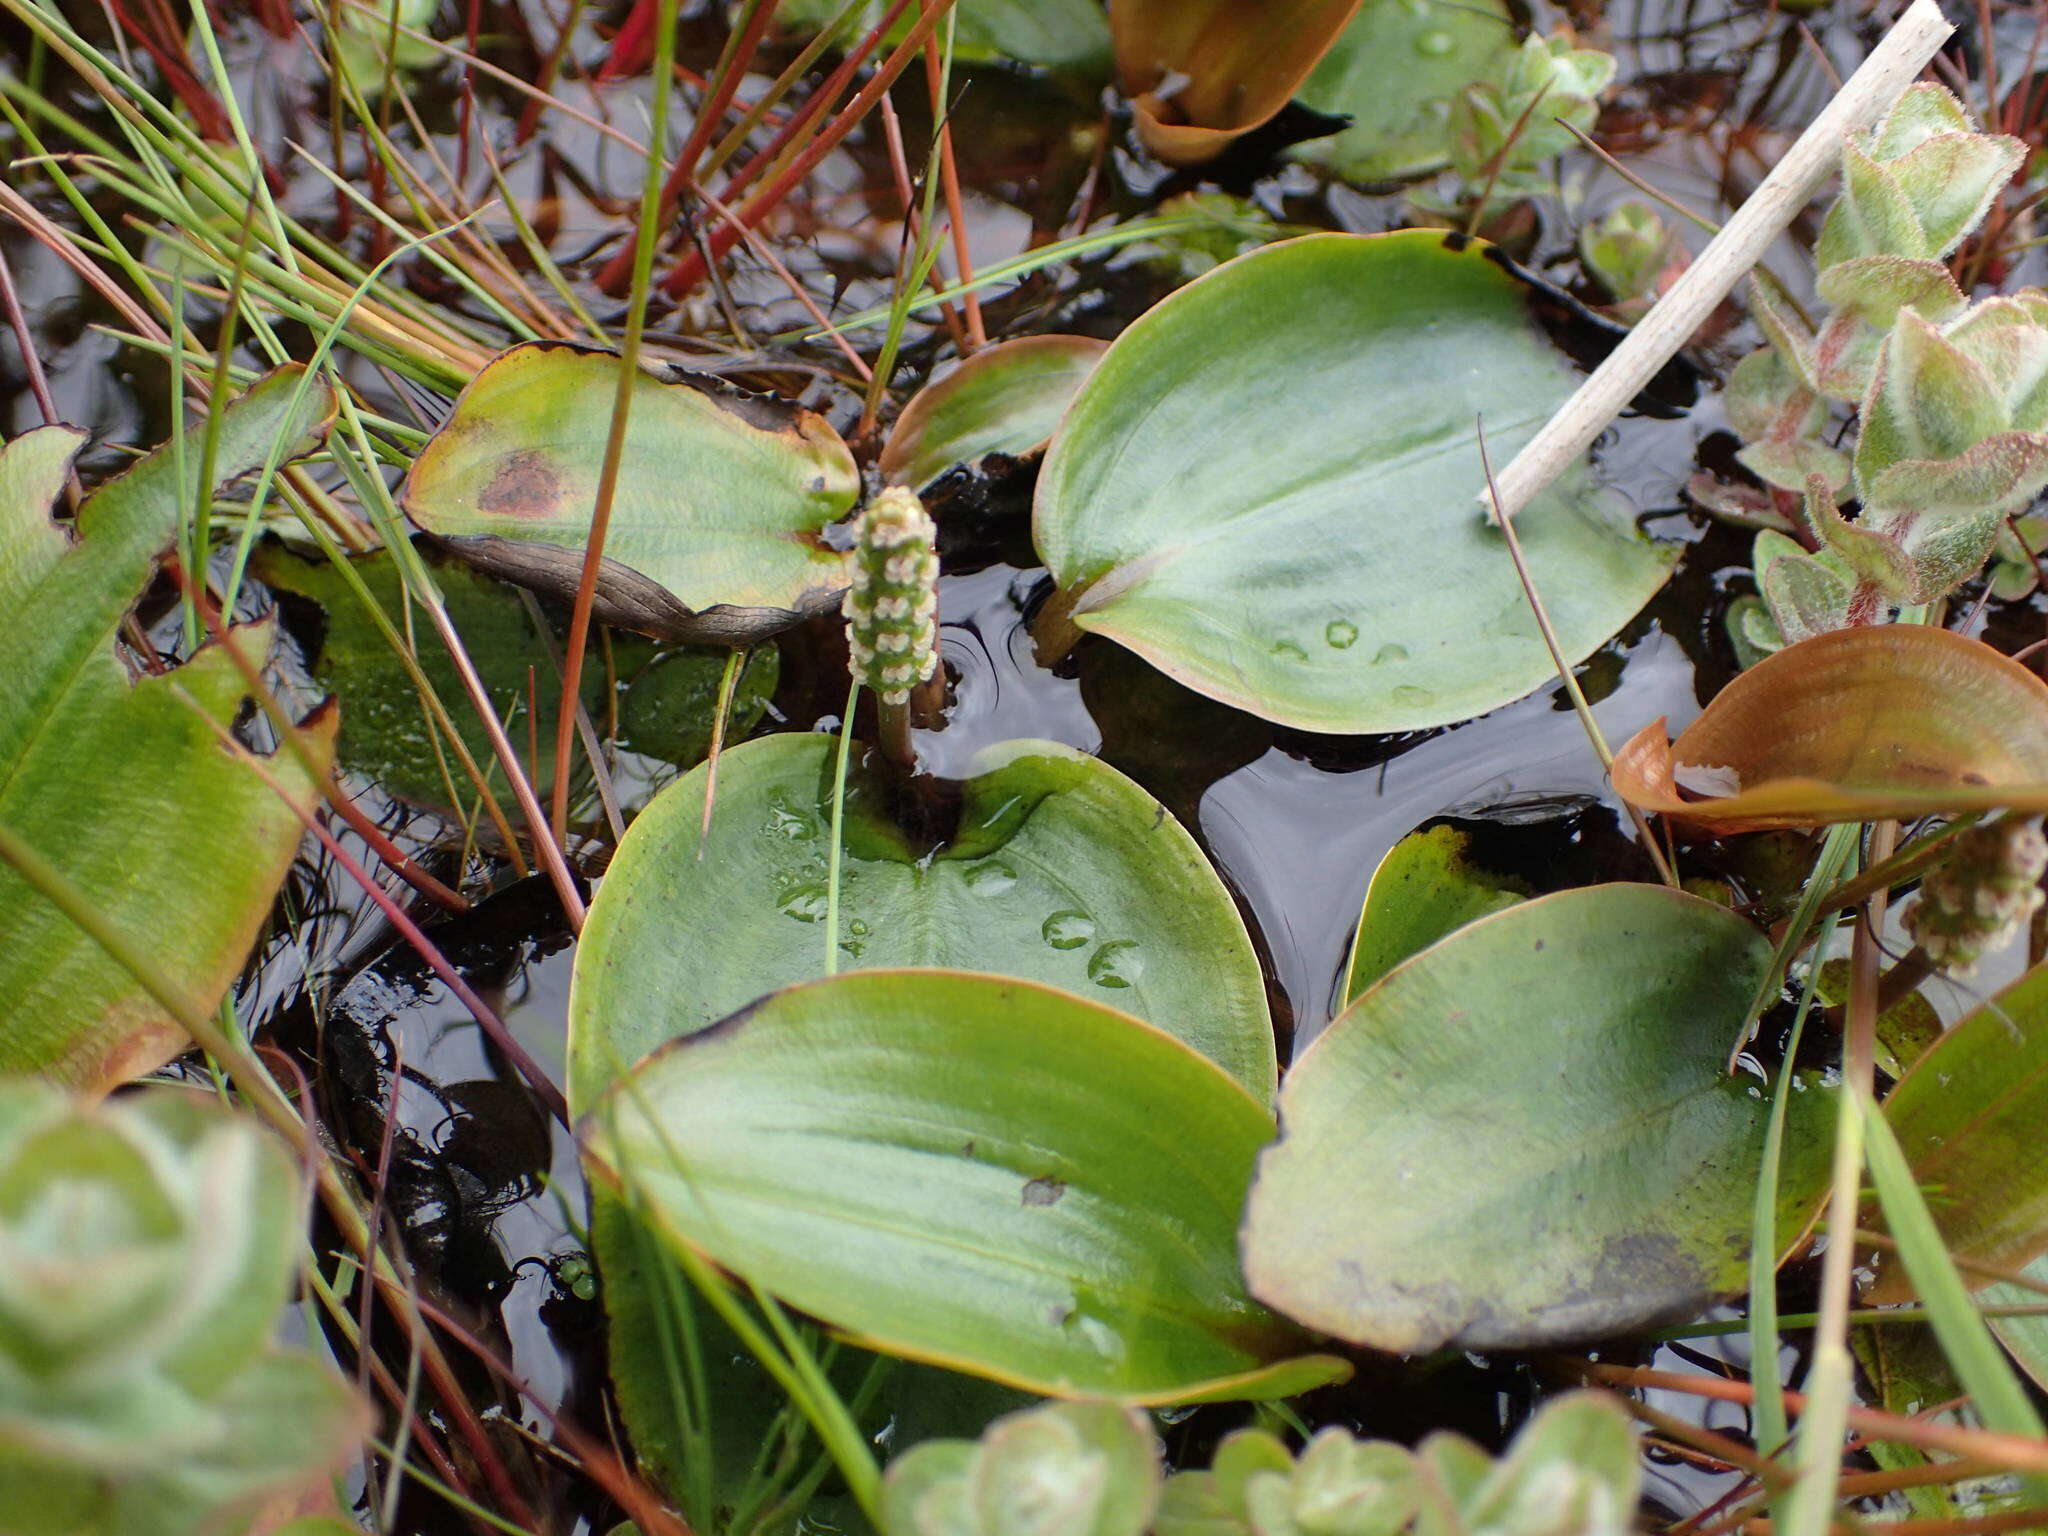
(481, 1179)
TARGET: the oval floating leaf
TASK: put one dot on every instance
(1063, 871)
(1007, 400)
(1426, 887)
(1969, 1118)
(715, 524)
(1267, 489)
(122, 783)
(970, 1170)
(1052, 34)
(1527, 1134)
(1394, 72)
(1202, 72)
(1854, 725)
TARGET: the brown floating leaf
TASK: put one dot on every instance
(1858, 724)
(1201, 72)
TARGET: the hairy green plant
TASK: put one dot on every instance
(1090, 1469)
(1504, 129)
(1952, 397)
(146, 1247)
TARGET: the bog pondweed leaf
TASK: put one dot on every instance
(1201, 73)
(970, 1170)
(120, 781)
(1062, 871)
(1394, 72)
(1968, 1117)
(1268, 488)
(716, 523)
(1855, 725)
(147, 1245)
(666, 698)
(1526, 1135)
(1426, 887)
(1007, 400)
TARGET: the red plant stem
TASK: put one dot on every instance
(949, 170)
(653, 1518)
(630, 51)
(546, 849)
(390, 855)
(695, 265)
(2014, 1453)
(488, 1021)
(472, 25)
(739, 58)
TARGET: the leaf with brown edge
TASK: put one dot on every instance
(1893, 720)
(717, 518)
(1200, 73)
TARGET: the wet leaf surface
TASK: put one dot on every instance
(1267, 489)
(972, 1171)
(1527, 1136)
(1061, 871)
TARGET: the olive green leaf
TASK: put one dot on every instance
(1527, 1135)
(122, 781)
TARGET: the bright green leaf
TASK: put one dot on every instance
(1426, 887)
(970, 1170)
(1268, 490)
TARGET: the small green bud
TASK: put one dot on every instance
(892, 603)
(1975, 900)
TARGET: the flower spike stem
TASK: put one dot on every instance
(1869, 93)
(892, 605)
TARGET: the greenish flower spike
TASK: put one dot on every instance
(1977, 898)
(147, 1245)
(892, 603)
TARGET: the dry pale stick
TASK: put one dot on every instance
(1892, 66)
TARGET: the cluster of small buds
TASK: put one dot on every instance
(892, 602)
(1976, 899)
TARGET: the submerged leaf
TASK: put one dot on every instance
(1526, 1135)
(965, 1169)
(1878, 721)
(1268, 490)
(716, 524)
(122, 782)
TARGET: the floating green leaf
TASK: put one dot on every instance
(1007, 400)
(122, 781)
(1968, 1117)
(1394, 72)
(1268, 489)
(1527, 1134)
(1426, 887)
(970, 1170)
(721, 500)
(1062, 871)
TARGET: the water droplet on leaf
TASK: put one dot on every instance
(1116, 964)
(1342, 634)
(1068, 930)
(805, 903)
(990, 878)
(1390, 652)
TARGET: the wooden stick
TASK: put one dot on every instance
(1892, 66)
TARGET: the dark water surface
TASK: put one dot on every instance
(485, 1185)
